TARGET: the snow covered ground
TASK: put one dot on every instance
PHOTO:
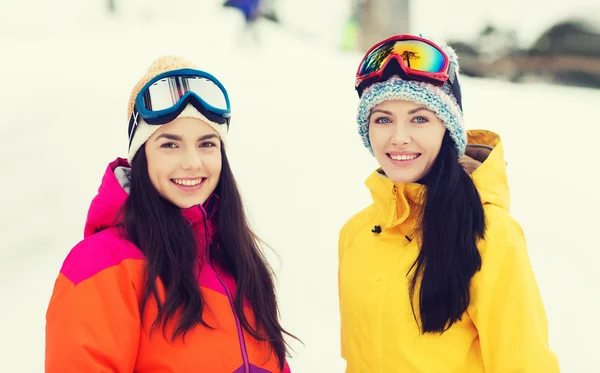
(294, 150)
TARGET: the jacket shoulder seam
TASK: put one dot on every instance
(109, 245)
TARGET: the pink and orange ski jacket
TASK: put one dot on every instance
(93, 322)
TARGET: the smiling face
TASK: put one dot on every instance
(406, 138)
(184, 161)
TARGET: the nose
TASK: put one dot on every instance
(401, 135)
(191, 160)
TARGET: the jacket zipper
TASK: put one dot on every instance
(238, 324)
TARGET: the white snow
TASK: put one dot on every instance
(66, 76)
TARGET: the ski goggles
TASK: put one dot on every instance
(416, 59)
(164, 97)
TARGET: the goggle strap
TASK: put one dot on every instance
(133, 123)
(454, 84)
(451, 73)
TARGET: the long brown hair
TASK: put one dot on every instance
(157, 227)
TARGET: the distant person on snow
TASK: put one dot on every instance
(252, 11)
(434, 275)
(249, 8)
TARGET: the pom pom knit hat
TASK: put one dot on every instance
(440, 100)
(144, 130)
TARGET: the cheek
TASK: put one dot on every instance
(154, 174)
(213, 164)
(433, 138)
(376, 137)
(160, 166)
(153, 166)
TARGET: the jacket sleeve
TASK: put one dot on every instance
(93, 325)
(506, 307)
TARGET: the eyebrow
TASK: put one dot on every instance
(178, 138)
(418, 109)
(381, 111)
(415, 110)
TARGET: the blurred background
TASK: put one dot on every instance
(530, 72)
(509, 40)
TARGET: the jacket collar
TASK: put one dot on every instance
(105, 209)
(396, 204)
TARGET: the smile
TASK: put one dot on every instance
(188, 182)
(404, 157)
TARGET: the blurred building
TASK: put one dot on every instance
(375, 20)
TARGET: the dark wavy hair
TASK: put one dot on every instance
(452, 221)
(157, 227)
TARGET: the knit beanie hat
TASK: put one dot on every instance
(440, 100)
(143, 130)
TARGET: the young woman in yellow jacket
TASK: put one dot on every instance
(434, 276)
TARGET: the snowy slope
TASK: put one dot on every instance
(296, 154)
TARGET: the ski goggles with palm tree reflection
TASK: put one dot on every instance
(164, 97)
(410, 57)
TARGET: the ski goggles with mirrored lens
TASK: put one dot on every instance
(164, 97)
(411, 57)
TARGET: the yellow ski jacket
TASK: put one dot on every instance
(504, 329)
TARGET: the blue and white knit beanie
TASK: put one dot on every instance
(440, 100)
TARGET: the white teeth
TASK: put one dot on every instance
(187, 182)
(403, 157)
